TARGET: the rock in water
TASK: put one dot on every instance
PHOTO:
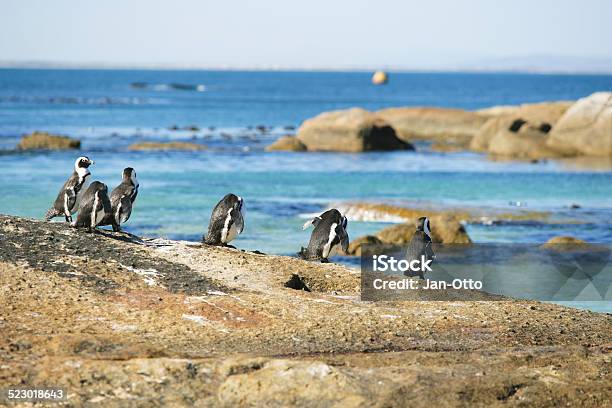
(380, 78)
(352, 130)
(521, 139)
(146, 146)
(445, 230)
(586, 127)
(46, 141)
(424, 123)
(287, 143)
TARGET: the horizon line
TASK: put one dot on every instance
(288, 68)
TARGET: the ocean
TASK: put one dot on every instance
(111, 109)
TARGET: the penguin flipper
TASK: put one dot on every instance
(238, 220)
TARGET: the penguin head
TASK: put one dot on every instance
(423, 225)
(344, 222)
(239, 203)
(129, 174)
(98, 186)
(81, 165)
(83, 162)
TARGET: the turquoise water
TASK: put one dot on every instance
(179, 189)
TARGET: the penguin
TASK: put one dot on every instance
(420, 244)
(328, 235)
(95, 204)
(122, 200)
(226, 221)
(68, 198)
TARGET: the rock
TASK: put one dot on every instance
(540, 115)
(287, 143)
(445, 229)
(380, 78)
(153, 146)
(585, 128)
(264, 386)
(425, 123)
(565, 240)
(46, 141)
(355, 245)
(564, 243)
(160, 322)
(549, 112)
(520, 139)
(352, 130)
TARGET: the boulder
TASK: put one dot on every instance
(565, 240)
(549, 112)
(542, 116)
(521, 140)
(352, 130)
(46, 141)
(154, 146)
(287, 143)
(355, 245)
(445, 229)
(433, 123)
(586, 127)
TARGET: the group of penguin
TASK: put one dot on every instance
(94, 208)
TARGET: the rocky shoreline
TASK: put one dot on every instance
(529, 132)
(120, 320)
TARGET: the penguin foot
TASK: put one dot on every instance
(324, 260)
(229, 246)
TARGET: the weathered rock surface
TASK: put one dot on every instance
(519, 131)
(123, 321)
(47, 141)
(355, 245)
(450, 125)
(445, 229)
(516, 138)
(352, 130)
(287, 143)
(153, 146)
(548, 112)
(586, 127)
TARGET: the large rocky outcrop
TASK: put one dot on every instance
(118, 320)
(516, 138)
(519, 131)
(548, 112)
(452, 125)
(352, 130)
(47, 141)
(586, 127)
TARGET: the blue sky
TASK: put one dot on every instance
(438, 34)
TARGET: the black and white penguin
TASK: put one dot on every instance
(328, 236)
(226, 221)
(94, 205)
(420, 244)
(67, 201)
(122, 200)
